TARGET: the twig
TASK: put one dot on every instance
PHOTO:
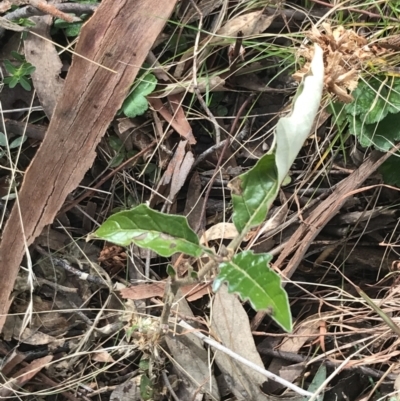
(65, 265)
(169, 387)
(239, 358)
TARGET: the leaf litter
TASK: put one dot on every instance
(93, 328)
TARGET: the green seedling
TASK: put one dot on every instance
(18, 74)
(15, 143)
(373, 118)
(136, 103)
(26, 22)
(245, 273)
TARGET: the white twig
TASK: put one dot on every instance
(239, 358)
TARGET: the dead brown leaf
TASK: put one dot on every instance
(145, 291)
(229, 317)
(5, 6)
(249, 24)
(176, 104)
(182, 129)
(24, 375)
(43, 55)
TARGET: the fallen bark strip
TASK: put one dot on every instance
(118, 36)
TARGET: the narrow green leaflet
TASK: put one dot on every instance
(163, 233)
(249, 275)
(317, 382)
(253, 193)
(136, 103)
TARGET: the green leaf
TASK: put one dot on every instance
(171, 271)
(9, 67)
(146, 388)
(17, 56)
(316, 383)
(73, 29)
(117, 159)
(338, 112)
(163, 233)
(25, 83)
(28, 69)
(13, 82)
(250, 276)
(3, 140)
(136, 103)
(115, 143)
(25, 22)
(253, 192)
(374, 99)
(390, 170)
(382, 135)
(18, 142)
(144, 364)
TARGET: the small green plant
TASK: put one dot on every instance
(118, 147)
(136, 103)
(73, 29)
(18, 74)
(15, 143)
(374, 119)
(25, 22)
(246, 273)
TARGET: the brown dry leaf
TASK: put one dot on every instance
(177, 171)
(230, 324)
(345, 55)
(144, 291)
(221, 231)
(160, 108)
(24, 375)
(117, 38)
(176, 104)
(194, 202)
(192, 360)
(208, 84)
(190, 14)
(43, 55)
(5, 6)
(102, 356)
(181, 172)
(307, 330)
(249, 24)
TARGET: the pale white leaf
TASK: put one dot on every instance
(293, 130)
